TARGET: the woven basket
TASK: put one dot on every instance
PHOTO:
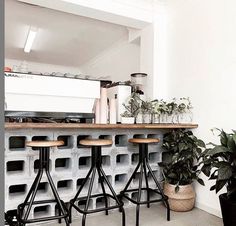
(181, 201)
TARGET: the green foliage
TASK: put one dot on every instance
(179, 164)
(132, 106)
(181, 105)
(219, 163)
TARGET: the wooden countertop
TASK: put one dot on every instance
(10, 126)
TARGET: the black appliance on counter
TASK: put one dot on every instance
(48, 117)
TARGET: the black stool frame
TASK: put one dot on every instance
(22, 216)
(144, 166)
(96, 166)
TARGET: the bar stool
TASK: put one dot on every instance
(144, 169)
(22, 214)
(96, 165)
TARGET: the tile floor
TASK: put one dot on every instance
(155, 216)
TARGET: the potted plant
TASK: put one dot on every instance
(146, 109)
(182, 150)
(219, 164)
(171, 109)
(131, 109)
(156, 113)
(184, 110)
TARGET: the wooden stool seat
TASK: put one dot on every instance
(96, 142)
(144, 140)
(45, 143)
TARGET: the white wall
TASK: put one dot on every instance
(116, 63)
(201, 64)
(42, 68)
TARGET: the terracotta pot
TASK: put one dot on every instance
(180, 201)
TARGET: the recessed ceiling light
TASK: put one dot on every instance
(30, 39)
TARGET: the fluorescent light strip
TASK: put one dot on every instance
(30, 39)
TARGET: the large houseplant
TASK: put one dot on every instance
(219, 164)
(180, 168)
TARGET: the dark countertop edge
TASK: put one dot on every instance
(10, 126)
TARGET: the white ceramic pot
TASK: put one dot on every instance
(127, 120)
(139, 118)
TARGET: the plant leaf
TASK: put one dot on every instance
(200, 143)
(219, 185)
(217, 150)
(223, 138)
(200, 181)
(224, 172)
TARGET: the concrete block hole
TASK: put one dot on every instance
(43, 188)
(36, 165)
(68, 142)
(80, 181)
(122, 159)
(82, 204)
(42, 211)
(109, 177)
(121, 140)
(84, 162)
(16, 166)
(106, 160)
(16, 190)
(65, 185)
(138, 136)
(153, 157)
(120, 179)
(63, 164)
(135, 158)
(105, 137)
(100, 202)
(17, 143)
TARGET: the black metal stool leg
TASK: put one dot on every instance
(139, 195)
(103, 190)
(130, 179)
(146, 180)
(57, 198)
(78, 192)
(88, 196)
(114, 195)
(160, 189)
(33, 196)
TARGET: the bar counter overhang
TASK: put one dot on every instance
(69, 164)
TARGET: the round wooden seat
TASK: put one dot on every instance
(95, 142)
(45, 143)
(144, 140)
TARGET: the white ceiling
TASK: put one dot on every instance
(62, 38)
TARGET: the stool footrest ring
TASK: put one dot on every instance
(22, 206)
(144, 202)
(96, 210)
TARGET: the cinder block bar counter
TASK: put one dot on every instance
(70, 163)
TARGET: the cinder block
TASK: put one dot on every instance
(69, 165)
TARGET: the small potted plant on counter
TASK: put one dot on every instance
(219, 164)
(146, 109)
(179, 167)
(184, 110)
(131, 109)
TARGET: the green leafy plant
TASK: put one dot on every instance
(132, 106)
(146, 106)
(219, 163)
(184, 105)
(179, 165)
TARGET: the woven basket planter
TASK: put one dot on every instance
(181, 201)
